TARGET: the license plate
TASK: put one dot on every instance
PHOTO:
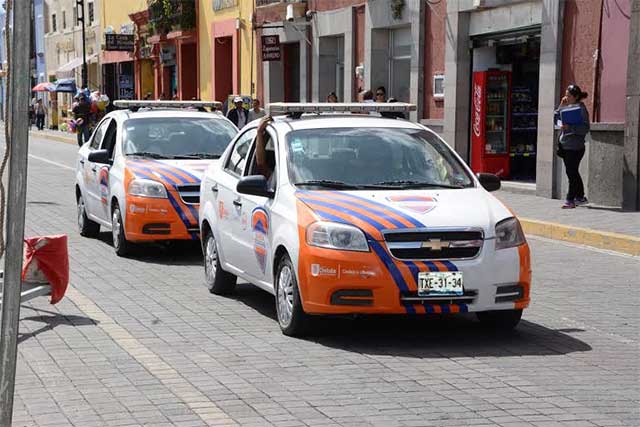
(440, 283)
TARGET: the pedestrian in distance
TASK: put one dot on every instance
(239, 116)
(256, 112)
(572, 145)
(148, 96)
(367, 96)
(332, 97)
(381, 94)
(41, 112)
(81, 111)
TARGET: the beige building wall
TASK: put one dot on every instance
(63, 40)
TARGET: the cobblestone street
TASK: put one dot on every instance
(141, 341)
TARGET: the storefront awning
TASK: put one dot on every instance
(70, 66)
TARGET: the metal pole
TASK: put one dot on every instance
(19, 134)
(85, 77)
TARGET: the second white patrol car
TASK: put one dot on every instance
(362, 214)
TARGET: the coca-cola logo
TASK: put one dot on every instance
(477, 109)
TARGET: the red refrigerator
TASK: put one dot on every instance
(491, 122)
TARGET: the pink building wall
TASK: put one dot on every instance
(614, 48)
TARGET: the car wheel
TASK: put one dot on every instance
(292, 319)
(120, 243)
(218, 281)
(504, 320)
(87, 227)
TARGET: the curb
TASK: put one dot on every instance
(583, 236)
(57, 138)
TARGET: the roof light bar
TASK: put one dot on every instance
(166, 104)
(339, 107)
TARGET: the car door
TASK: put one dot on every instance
(91, 172)
(228, 206)
(103, 175)
(253, 230)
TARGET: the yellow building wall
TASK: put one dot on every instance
(116, 12)
(147, 77)
(207, 16)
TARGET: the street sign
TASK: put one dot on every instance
(271, 48)
(125, 87)
(120, 42)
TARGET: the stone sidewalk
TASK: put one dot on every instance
(610, 220)
(599, 227)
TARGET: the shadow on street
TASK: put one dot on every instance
(179, 252)
(423, 336)
(50, 322)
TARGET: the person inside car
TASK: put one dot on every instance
(265, 158)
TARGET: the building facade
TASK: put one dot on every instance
(118, 69)
(226, 49)
(63, 41)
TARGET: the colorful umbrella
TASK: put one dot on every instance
(43, 87)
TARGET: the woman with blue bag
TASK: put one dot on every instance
(575, 127)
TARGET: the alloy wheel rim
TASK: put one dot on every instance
(115, 227)
(80, 213)
(211, 257)
(285, 296)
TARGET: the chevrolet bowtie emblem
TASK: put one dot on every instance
(435, 244)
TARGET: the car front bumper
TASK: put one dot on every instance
(335, 282)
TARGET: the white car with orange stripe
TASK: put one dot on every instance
(139, 174)
(363, 214)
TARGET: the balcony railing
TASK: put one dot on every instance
(172, 15)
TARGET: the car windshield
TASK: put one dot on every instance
(176, 137)
(355, 158)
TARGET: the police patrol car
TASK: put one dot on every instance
(363, 214)
(139, 174)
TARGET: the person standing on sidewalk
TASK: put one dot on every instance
(256, 112)
(572, 147)
(81, 111)
(41, 112)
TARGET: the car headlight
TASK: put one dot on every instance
(147, 188)
(333, 235)
(509, 234)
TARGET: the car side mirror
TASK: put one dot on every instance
(254, 185)
(489, 181)
(100, 156)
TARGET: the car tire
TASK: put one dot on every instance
(87, 227)
(120, 243)
(293, 321)
(218, 281)
(503, 320)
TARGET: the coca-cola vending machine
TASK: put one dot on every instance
(491, 122)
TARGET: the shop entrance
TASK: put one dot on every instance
(223, 67)
(516, 56)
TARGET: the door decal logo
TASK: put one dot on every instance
(418, 204)
(104, 185)
(260, 227)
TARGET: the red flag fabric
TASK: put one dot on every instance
(47, 257)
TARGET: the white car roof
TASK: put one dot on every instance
(144, 114)
(322, 121)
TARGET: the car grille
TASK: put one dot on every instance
(190, 194)
(432, 245)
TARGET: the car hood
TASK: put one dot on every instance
(374, 211)
(173, 172)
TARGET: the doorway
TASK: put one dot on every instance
(331, 67)
(223, 69)
(291, 62)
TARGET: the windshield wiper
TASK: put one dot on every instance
(329, 184)
(148, 154)
(417, 184)
(198, 156)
